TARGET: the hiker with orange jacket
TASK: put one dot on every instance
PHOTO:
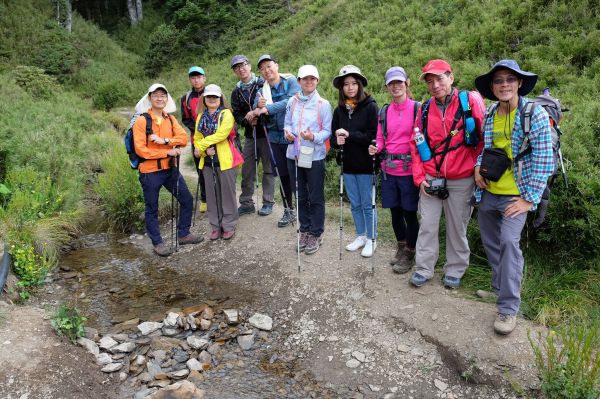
(160, 152)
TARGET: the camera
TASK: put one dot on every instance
(437, 187)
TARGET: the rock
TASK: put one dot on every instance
(103, 359)
(179, 374)
(441, 385)
(125, 347)
(120, 337)
(139, 360)
(69, 275)
(180, 356)
(112, 367)
(261, 321)
(403, 348)
(191, 320)
(332, 338)
(205, 357)
(179, 390)
(374, 388)
(434, 317)
(232, 316)
(159, 355)
(158, 384)
(205, 324)
(214, 349)
(126, 326)
(245, 341)
(359, 356)
(91, 333)
(197, 342)
(145, 377)
(107, 342)
(153, 369)
(171, 319)
(207, 314)
(122, 376)
(194, 310)
(195, 376)
(149, 327)
(329, 358)
(170, 331)
(194, 364)
(89, 345)
(417, 352)
(164, 343)
(352, 363)
(161, 376)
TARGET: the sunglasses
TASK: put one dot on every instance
(509, 80)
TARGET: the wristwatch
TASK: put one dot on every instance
(166, 141)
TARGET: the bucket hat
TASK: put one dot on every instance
(144, 103)
(308, 70)
(349, 70)
(212, 90)
(483, 82)
(395, 73)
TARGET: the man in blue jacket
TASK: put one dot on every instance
(270, 105)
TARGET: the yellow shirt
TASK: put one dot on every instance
(502, 130)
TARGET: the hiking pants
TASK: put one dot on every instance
(200, 176)
(501, 236)
(249, 172)
(224, 197)
(457, 211)
(360, 193)
(151, 184)
(311, 196)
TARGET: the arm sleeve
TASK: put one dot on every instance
(179, 135)
(324, 134)
(288, 121)
(238, 114)
(280, 106)
(364, 137)
(335, 125)
(542, 158)
(379, 139)
(223, 129)
(141, 147)
(186, 115)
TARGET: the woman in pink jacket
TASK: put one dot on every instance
(398, 192)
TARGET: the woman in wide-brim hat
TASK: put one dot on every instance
(354, 126)
(503, 204)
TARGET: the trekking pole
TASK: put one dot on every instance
(341, 197)
(177, 202)
(255, 161)
(196, 202)
(286, 205)
(297, 212)
(218, 205)
(373, 210)
(171, 162)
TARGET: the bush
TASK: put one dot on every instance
(69, 322)
(35, 81)
(162, 50)
(30, 267)
(55, 53)
(109, 95)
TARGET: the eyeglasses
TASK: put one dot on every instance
(509, 80)
(237, 67)
(158, 96)
(265, 66)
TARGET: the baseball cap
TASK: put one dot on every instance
(212, 90)
(196, 70)
(308, 70)
(265, 57)
(238, 59)
(395, 73)
(436, 67)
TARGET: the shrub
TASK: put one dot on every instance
(28, 266)
(69, 322)
(162, 50)
(55, 52)
(35, 81)
(109, 95)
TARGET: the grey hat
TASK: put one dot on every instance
(483, 82)
(349, 70)
(265, 57)
(238, 59)
(395, 73)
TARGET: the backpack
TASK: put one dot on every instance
(382, 117)
(134, 159)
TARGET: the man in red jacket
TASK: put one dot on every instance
(445, 179)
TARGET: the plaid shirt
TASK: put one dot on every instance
(538, 165)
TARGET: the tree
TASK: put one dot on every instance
(64, 13)
(135, 11)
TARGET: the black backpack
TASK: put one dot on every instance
(134, 159)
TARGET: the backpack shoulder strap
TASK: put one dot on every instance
(526, 113)
(416, 105)
(463, 97)
(148, 124)
(187, 99)
(382, 117)
(424, 114)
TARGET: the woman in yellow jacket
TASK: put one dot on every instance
(219, 159)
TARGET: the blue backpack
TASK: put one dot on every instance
(134, 159)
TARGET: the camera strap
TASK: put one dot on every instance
(446, 150)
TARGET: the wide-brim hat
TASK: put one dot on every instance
(349, 70)
(144, 104)
(484, 82)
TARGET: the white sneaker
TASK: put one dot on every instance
(358, 243)
(369, 248)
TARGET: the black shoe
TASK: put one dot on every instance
(289, 216)
(246, 210)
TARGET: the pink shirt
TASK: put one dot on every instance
(400, 121)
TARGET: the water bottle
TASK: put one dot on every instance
(422, 146)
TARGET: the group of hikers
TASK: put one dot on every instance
(447, 154)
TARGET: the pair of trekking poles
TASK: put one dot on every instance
(373, 207)
(218, 197)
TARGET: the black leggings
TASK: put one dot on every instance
(406, 226)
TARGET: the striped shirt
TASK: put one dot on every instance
(538, 165)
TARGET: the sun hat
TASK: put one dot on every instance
(436, 67)
(238, 59)
(483, 82)
(349, 70)
(212, 90)
(308, 70)
(395, 73)
(144, 103)
(265, 57)
(196, 70)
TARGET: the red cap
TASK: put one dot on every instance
(436, 67)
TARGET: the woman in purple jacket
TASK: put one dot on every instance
(398, 191)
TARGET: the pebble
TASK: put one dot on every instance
(359, 356)
(403, 348)
(332, 338)
(89, 345)
(149, 327)
(194, 364)
(205, 357)
(245, 341)
(107, 342)
(374, 388)
(103, 359)
(434, 317)
(112, 367)
(352, 363)
(261, 321)
(196, 342)
(205, 324)
(125, 347)
(232, 315)
(441, 385)
(179, 374)
(171, 319)
(330, 358)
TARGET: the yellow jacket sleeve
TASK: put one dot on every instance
(224, 127)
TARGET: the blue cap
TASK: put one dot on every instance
(196, 69)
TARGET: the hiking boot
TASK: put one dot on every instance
(312, 244)
(358, 243)
(203, 207)
(162, 250)
(228, 235)
(409, 253)
(398, 257)
(303, 240)
(401, 267)
(417, 280)
(190, 239)
(505, 324)
(246, 210)
(369, 248)
(214, 235)
(266, 210)
(289, 216)
(451, 282)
